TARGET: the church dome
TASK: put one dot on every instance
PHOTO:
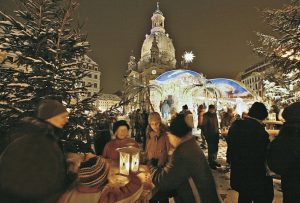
(166, 50)
(165, 46)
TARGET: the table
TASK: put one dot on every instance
(144, 174)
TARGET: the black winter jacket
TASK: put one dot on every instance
(284, 159)
(210, 127)
(32, 167)
(187, 175)
(247, 149)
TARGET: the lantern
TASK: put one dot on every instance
(129, 159)
(272, 116)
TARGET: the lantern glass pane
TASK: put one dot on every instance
(135, 161)
(124, 163)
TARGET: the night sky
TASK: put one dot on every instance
(217, 31)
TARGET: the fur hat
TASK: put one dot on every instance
(118, 124)
(179, 126)
(291, 113)
(93, 172)
(49, 108)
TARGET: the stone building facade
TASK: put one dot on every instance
(253, 77)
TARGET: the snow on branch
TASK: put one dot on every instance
(18, 85)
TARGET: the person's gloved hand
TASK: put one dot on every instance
(154, 162)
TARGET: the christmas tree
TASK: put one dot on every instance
(48, 46)
(282, 50)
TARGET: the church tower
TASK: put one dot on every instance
(157, 46)
(158, 21)
(157, 56)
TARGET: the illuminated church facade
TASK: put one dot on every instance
(158, 66)
(157, 56)
(157, 53)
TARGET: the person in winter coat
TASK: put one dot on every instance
(139, 125)
(157, 148)
(165, 109)
(93, 187)
(227, 119)
(284, 153)
(173, 113)
(185, 109)
(247, 149)
(121, 130)
(132, 123)
(211, 133)
(201, 112)
(186, 174)
(145, 116)
(158, 145)
(33, 167)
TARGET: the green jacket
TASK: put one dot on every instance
(187, 175)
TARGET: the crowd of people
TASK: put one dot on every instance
(138, 123)
(36, 167)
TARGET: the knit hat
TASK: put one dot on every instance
(93, 172)
(291, 113)
(49, 108)
(179, 127)
(258, 110)
(154, 116)
(118, 124)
